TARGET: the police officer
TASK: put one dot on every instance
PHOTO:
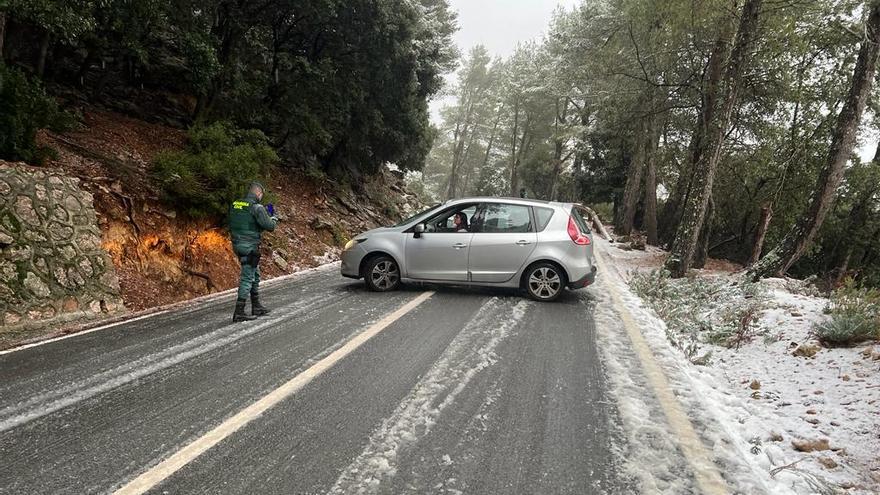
(247, 221)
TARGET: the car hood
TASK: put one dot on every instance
(377, 231)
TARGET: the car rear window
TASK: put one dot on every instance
(579, 220)
(543, 216)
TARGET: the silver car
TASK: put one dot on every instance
(539, 246)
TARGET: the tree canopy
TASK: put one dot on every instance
(624, 104)
(341, 86)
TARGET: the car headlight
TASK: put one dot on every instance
(352, 243)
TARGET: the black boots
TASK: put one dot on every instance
(257, 309)
(239, 314)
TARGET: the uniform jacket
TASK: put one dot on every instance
(247, 221)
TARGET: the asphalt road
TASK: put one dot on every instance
(471, 391)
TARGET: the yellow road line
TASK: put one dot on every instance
(709, 480)
(187, 454)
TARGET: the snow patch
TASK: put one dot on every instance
(750, 403)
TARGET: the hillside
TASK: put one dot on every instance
(162, 257)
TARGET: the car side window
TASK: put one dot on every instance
(543, 216)
(501, 218)
(580, 220)
(445, 221)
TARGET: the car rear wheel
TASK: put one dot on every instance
(544, 282)
(382, 274)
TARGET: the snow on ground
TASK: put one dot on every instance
(758, 400)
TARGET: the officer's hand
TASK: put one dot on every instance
(274, 219)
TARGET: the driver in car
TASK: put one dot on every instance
(460, 222)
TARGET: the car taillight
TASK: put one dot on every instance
(575, 234)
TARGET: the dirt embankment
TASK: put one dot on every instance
(162, 257)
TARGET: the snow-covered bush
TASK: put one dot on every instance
(702, 310)
(855, 316)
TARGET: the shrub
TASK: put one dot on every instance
(24, 109)
(855, 316)
(604, 210)
(215, 168)
(701, 310)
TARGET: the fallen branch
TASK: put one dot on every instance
(597, 222)
(201, 275)
(776, 471)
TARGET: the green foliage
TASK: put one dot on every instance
(67, 19)
(341, 86)
(24, 109)
(215, 168)
(855, 316)
(702, 310)
(605, 211)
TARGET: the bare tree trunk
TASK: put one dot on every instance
(702, 252)
(799, 238)
(558, 148)
(844, 266)
(465, 160)
(492, 138)
(460, 136)
(671, 213)
(650, 200)
(525, 143)
(458, 143)
(763, 227)
(2, 33)
(44, 51)
(633, 182)
(688, 232)
(513, 157)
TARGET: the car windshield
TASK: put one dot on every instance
(417, 215)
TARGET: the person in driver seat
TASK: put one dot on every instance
(460, 222)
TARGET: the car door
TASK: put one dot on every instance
(503, 239)
(440, 253)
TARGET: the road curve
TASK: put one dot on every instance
(469, 391)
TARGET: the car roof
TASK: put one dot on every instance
(501, 199)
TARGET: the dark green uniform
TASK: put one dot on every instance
(247, 221)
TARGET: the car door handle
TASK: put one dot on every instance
(523, 243)
(459, 245)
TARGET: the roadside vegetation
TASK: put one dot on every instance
(703, 310)
(724, 310)
(854, 316)
(339, 87)
(24, 109)
(215, 167)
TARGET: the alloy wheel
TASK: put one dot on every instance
(385, 275)
(545, 282)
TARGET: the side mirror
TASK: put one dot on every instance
(418, 230)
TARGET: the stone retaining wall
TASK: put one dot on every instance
(52, 266)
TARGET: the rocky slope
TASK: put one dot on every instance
(159, 256)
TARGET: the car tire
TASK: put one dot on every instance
(544, 281)
(382, 274)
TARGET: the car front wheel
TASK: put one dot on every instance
(544, 282)
(382, 274)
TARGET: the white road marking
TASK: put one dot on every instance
(76, 334)
(187, 454)
(708, 478)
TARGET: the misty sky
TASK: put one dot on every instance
(499, 25)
